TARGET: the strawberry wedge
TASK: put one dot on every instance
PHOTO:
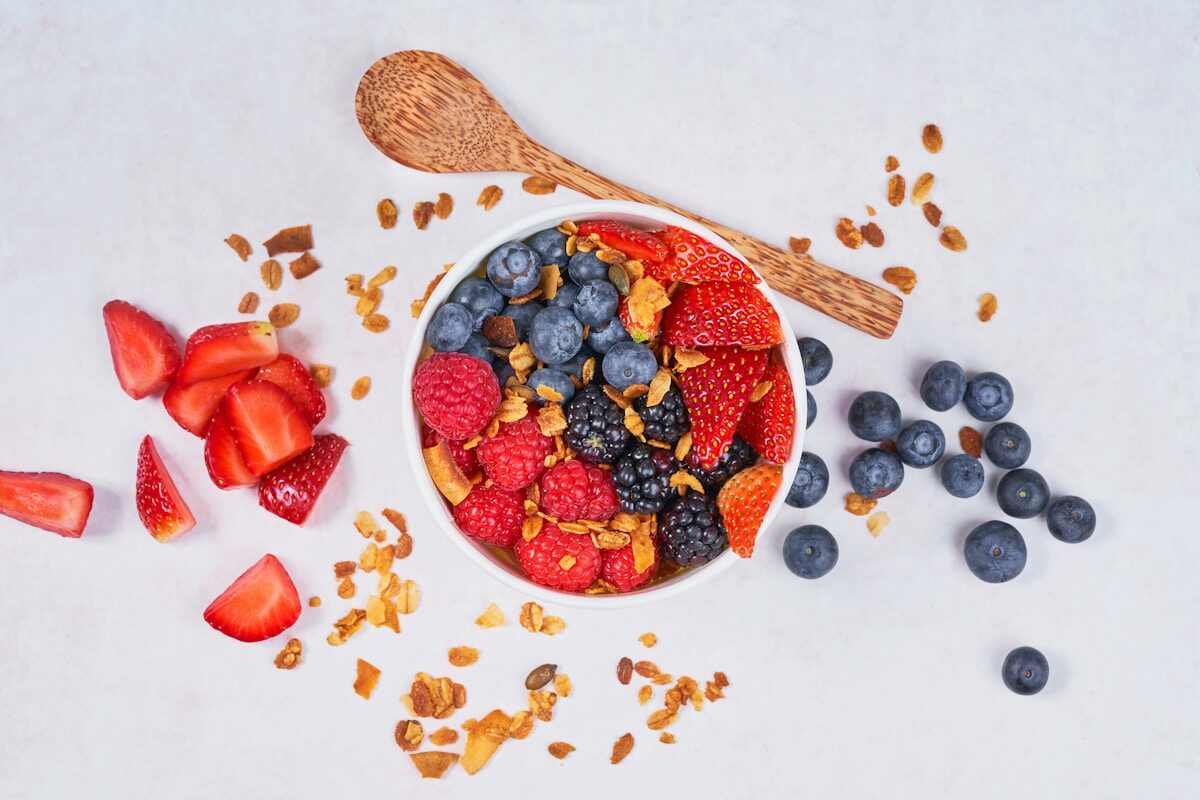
(160, 506)
(225, 464)
(716, 394)
(770, 422)
(217, 350)
(193, 405)
(289, 373)
(48, 500)
(641, 245)
(267, 426)
(695, 260)
(261, 603)
(721, 313)
(144, 353)
(291, 491)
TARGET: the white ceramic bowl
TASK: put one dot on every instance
(481, 554)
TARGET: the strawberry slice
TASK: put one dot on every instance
(261, 603)
(193, 405)
(217, 350)
(695, 260)
(292, 490)
(225, 464)
(291, 374)
(159, 504)
(48, 500)
(743, 503)
(144, 353)
(721, 313)
(642, 245)
(716, 393)
(637, 330)
(267, 426)
(770, 422)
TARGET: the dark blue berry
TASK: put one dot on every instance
(585, 268)
(503, 371)
(1007, 445)
(514, 269)
(480, 298)
(1022, 493)
(943, 386)
(574, 365)
(450, 328)
(988, 397)
(555, 335)
(477, 346)
(962, 475)
(627, 363)
(921, 444)
(565, 296)
(874, 416)
(691, 532)
(817, 360)
(995, 552)
(1071, 519)
(596, 303)
(603, 338)
(810, 551)
(811, 482)
(522, 316)
(812, 410)
(876, 473)
(1025, 670)
(553, 380)
(551, 246)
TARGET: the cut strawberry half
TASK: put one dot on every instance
(290, 373)
(217, 350)
(721, 313)
(225, 464)
(770, 422)
(261, 603)
(193, 405)
(159, 504)
(292, 490)
(48, 500)
(695, 260)
(716, 393)
(267, 426)
(144, 353)
(642, 245)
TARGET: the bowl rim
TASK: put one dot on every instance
(469, 262)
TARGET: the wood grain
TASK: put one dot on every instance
(427, 112)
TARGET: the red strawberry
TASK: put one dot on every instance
(456, 394)
(715, 314)
(261, 603)
(491, 514)
(642, 245)
(218, 350)
(466, 459)
(291, 374)
(159, 504)
(515, 456)
(602, 501)
(292, 490)
(48, 500)
(639, 332)
(144, 353)
(716, 393)
(193, 405)
(267, 426)
(743, 503)
(618, 569)
(770, 422)
(225, 464)
(558, 559)
(694, 260)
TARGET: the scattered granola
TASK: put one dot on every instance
(385, 275)
(282, 315)
(648, 639)
(644, 694)
(895, 192)
(891, 164)
(443, 736)
(521, 725)
(422, 212)
(877, 522)
(271, 273)
(536, 184)
(436, 697)
(560, 750)
(933, 214)
(562, 685)
(621, 748)
(902, 278)
(987, 307)
(952, 239)
(443, 206)
(296, 239)
(531, 618)
(666, 737)
(248, 304)
(463, 656)
(433, 763)
(870, 210)
(314, 602)
(346, 589)
(971, 441)
(491, 617)
(931, 137)
(347, 626)
(360, 388)
(239, 245)
(366, 679)
(539, 676)
(490, 195)
(799, 246)
(541, 704)
(872, 234)
(289, 656)
(625, 670)
(848, 234)
(303, 266)
(387, 212)
(484, 738)
(409, 734)
(858, 505)
(922, 188)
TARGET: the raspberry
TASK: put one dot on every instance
(602, 495)
(491, 514)
(543, 558)
(565, 490)
(466, 459)
(515, 456)
(456, 394)
(618, 570)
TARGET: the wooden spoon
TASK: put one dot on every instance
(426, 112)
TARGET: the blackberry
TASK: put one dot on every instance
(642, 477)
(666, 421)
(596, 426)
(691, 532)
(736, 458)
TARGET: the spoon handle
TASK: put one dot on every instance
(856, 302)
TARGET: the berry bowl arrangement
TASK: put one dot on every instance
(603, 404)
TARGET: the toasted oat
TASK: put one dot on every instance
(660, 719)
(872, 234)
(621, 748)
(492, 617)
(686, 359)
(536, 184)
(347, 626)
(877, 522)
(409, 597)
(443, 736)
(366, 679)
(271, 273)
(624, 670)
(642, 543)
(858, 505)
(933, 214)
(902, 278)
(891, 164)
(354, 285)
(666, 737)
(365, 524)
(296, 239)
(647, 669)
(387, 213)
(314, 602)
(366, 561)
(531, 617)
(322, 374)
(433, 763)
(799, 246)
(344, 569)
(987, 307)
(303, 266)
(239, 245)
(895, 189)
(848, 234)
(760, 391)
(490, 195)
(633, 421)
(422, 212)
(360, 388)
(922, 188)
(484, 738)
(560, 750)
(443, 206)
(345, 589)
(289, 656)
(952, 239)
(369, 302)
(541, 704)
(248, 303)
(931, 137)
(463, 656)
(409, 734)
(521, 725)
(870, 210)
(376, 323)
(648, 639)
(644, 694)
(683, 446)
(552, 625)
(562, 685)
(282, 315)
(971, 441)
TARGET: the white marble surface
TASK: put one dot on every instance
(134, 137)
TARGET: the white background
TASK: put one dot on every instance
(135, 137)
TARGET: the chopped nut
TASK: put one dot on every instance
(536, 184)
(366, 680)
(666, 737)
(501, 331)
(872, 234)
(562, 685)
(889, 445)
(560, 750)
(799, 246)
(360, 388)
(648, 639)
(248, 303)
(314, 602)
(491, 617)
(621, 748)
(484, 738)
(239, 245)
(271, 273)
(902, 278)
(490, 195)
(531, 617)
(296, 239)
(987, 307)
(422, 212)
(521, 725)
(877, 522)
(858, 505)
(322, 374)
(347, 626)
(387, 212)
(433, 763)
(933, 214)
(343, 569)
(922, 188)
(443, 206)
(283, 314)
(289, 656)
(303, 266)
(345, 589)
(624, 670)
(463, 656)
(644, 695)
(409, 734)
(644, 549)
(895, 190)
(404, 545)
(952, 239)
(931, 137)
(396, 518)
(848, 234)
(892, 164)
(443, 736)
(971, 441)
(870, 210)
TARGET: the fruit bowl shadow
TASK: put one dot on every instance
(499, 563)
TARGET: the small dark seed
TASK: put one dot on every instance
(540, 676)
(625, 670)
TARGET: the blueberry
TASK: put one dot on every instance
(585, 268)
(1022, 493)
(962, 475)
(514, 269)
(1007, 445)
(811, 482)
(554, 380)
(450, 328)
(574, 365)
(503, 371)
(565, 296)
(989, 396)
(480, 298)
(478, 346)
(817, 360)
(555, 335)
(627, 363)
(1025, 670)
(522, 316)
(943, 386)
(1071, 519)
(874, 416)
(995, 552)
(596, 303)
(876, 473)
(603, 338)
(810, 551)
(921, 444)
(812, 410)
(551, 246)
